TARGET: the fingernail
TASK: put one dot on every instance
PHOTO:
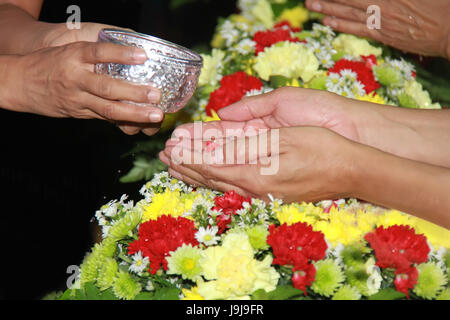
(139, 54)
(154, 96)
(316, 6)
(155, 117)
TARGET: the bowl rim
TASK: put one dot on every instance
(106, 35)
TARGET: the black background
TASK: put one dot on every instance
(54, 173)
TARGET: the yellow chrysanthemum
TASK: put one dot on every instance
(374, 98)
(349, 44)
(211, 63)
(394, 217)
(438, 236)
(233, 271)
(293, 213)
(296, 16)
(191, 294)
(287, 59)
(168, 203)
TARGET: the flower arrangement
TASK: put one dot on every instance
(181, 243)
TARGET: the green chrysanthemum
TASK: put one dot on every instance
(107, 274)
(347, 292)
(388, 76)
(431, 281)
(185, 261)
(258, 237)
(352, 255)
(124, 226)
(445, 295)
(446, 258)
(125, 287)
(407, 101)
(357, 277)
(91, 264)
(329, 277)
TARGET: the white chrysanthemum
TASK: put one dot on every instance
(229, 33)
(375, 278)
(139, 263)
(207, 236)
(245, 46)
(149, 286)
(403, 66)
(256, 92)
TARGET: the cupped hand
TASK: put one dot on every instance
(60, 82)
(303, 164)
(414, 26)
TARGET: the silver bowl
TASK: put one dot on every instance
(171, 68)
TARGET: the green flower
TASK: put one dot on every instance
(407, 101)
(185, 261)
(318, 83)
(107, 274)
(388, 76)
(445, 295)
(431, 281)
(258, 236)
(125, 287)
(91, 264)
(124, 226)
(347, 292)
(357, 277)
(446, 258)
(352, 255)
(329, 277)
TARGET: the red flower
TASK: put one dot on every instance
(232, 89)
(229, 203)
(398, 247)
(370, 61)
(159, 237)
(296, 244)
(405, 280)
(268, 38)
(304, 277)
(362, 69)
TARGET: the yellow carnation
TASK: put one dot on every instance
(262, 12)
(355, 46)
(296, 16)
(291, 60)
(210, 70)
(233, 270)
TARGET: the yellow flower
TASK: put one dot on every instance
(355, 46)
(168, 203)
(394, 217)
(214, 117)
(422, 98)
(296, 16)
(233, 271)
(374, 98)
(291, 60)
(191, 294)
(263, 13)
(210, 70)
(293, 213)
(438, 236)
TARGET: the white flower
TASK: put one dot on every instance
(245, 46)
(149, 286)
(105, 231)
(139, 263)
(207, 235)
(110, 210)
(229, 33)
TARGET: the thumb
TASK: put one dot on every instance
(249, 108)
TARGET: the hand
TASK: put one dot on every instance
(314, 164)
(60, 82)
(415, 26)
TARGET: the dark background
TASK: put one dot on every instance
(54, 173)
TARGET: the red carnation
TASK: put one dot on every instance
(268, 38)
(398, 247)
(159, 237)
(296, 244)
(304, 277)
(229, 203)
(406, 280)
(232, 88)
(363, 71)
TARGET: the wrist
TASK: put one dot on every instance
(11, 85)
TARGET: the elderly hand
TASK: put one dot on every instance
(306, 164)
(415, 26)
(60, 82)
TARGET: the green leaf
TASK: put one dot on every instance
(143, 169)
(280, 293)
(387, 294)
(278, 81)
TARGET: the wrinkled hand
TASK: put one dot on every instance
(292, 107)
(60, 82)
(313, 164)
(415, 26)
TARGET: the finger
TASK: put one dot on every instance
(337, 10)
(249, 108)
(135, 128)
(130, 130)
(112, 53)
(126, 112)
(115, 89)
(361, 4)
(352, 27)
